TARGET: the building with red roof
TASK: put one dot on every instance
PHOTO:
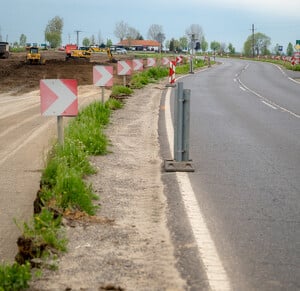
(136, 44)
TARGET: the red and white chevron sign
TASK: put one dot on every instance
(179, 59)
(151, 62)
(165, 61)
(103, 76)
(172, 70)
(59, 97)
(137, 65)
(124, 68)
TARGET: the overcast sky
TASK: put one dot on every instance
(221, 20)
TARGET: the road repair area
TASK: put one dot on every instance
(129, 246)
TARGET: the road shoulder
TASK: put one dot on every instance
(130, 247)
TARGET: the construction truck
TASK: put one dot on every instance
(72, 52)
(4, 50)
(34, 57)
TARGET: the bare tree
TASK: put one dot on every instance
(121, 30)
(132, 33)
(155, 30)
(196, 30)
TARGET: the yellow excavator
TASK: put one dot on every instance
(34, 56)
(110, 56)
(72, 52)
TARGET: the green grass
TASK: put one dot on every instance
(146, 77)
(45, 230)
(63, 178)
(14, 277)
(119, 91)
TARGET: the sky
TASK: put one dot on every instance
(226, 21)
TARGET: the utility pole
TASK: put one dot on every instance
(77, 33)
(253, 41)
(192, 54)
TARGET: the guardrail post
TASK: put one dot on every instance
(181, 160)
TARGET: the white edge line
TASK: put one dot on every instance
(267, 100)
(215, 272)
(284, 73)
(270, 105)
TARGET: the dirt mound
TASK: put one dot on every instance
(16, 76)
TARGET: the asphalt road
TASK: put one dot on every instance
(245, 147)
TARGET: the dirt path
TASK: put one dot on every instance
(133, 252)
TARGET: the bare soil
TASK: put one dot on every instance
(19, 77)
(127, 245)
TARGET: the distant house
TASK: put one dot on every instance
(139, 45)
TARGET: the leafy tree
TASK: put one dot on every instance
(53, 31)
(86, 41)
(121, 30)
(174, 45)
(231, 49)
(203, 44)
(215, 46)
(109, 43)
(290, 50)
(260, 45)
(183, 42)
(23, 40)
(167, 44)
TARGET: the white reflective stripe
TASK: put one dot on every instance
(65, 97)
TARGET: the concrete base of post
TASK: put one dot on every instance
(174, 166)
(171, 85)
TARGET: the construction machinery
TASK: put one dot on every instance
(4, 50)
(72, 52)
(110, 56)
(34, 57)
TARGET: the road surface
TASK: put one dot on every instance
(245, 147)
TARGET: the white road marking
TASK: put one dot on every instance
(270, 105)
(215, 272)
(242, 88)
(266, 99)
(284, 73)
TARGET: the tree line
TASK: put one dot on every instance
(194, 38)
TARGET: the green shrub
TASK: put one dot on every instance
(14, 277)
(46, 229)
